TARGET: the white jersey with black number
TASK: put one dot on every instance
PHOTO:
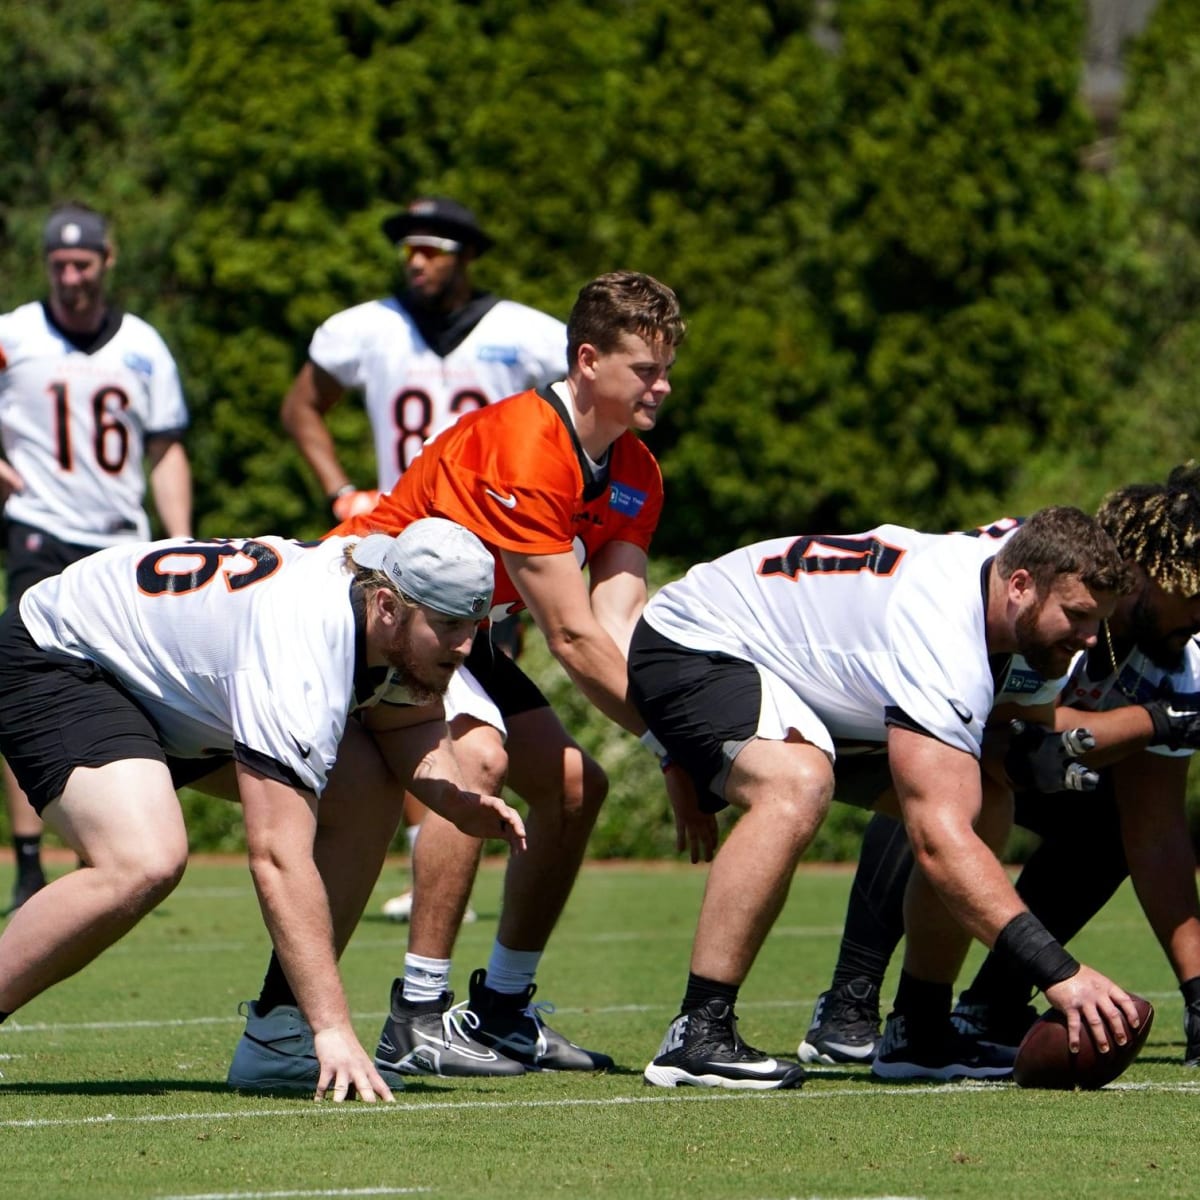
(1097, 684)
(74, 424)
(231, 646)
(860, 626)
(411, 393)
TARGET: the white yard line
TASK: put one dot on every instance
(356, 1111)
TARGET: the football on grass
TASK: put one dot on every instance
(1044, 1061)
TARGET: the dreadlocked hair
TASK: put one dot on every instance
(1157, 526)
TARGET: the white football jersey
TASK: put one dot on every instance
(1134, 681)
(412, 393)
(231, 644)
(855, 625)
(74, 424)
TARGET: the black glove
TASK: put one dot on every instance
(1176, 722)
(1040, 760)
(1191, 1021)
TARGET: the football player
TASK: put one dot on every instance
(235, 666)
(756, 669)
(1137, 691)
(552, 480)
(439, 347)
(89, 403)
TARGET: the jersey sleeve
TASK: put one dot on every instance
(337, 346)
(168, 412)
(635, 493)
(937, 672)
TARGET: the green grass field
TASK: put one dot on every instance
(113, 1083)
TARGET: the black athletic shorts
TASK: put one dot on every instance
(33, 555)
(512, 690)
(704, 707)
(58, 712)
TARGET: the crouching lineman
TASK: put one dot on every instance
(752, 668)
(128, 675)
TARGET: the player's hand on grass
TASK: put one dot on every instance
(695, 831)
(490, 817)
(1089, 998)
(347, 1072)
(1043, 760)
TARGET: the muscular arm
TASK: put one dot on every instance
(280, 828)
(553, 589)
(312, 394)
(940, 798)
(618, 590)
(415, 744)
(1150, 792)
(171, 484)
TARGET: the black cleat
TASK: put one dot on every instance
(936, 1051)
(845, 1025)
(513, 1026)
(703, 1049)
(435, 1038)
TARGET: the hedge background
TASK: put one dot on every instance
(922, 284)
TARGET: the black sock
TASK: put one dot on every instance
(275, 988)
(921, 1002)
(875, 914)
(4, 1017)
(701, 990)
(28, 850)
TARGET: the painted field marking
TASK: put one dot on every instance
(371, 1191)
(355, 1111)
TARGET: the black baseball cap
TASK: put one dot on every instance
(437, 215)
(73, 227)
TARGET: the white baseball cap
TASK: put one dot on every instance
(434, 562)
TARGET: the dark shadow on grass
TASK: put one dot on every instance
(377, 918)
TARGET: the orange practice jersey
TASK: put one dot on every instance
(515, 474)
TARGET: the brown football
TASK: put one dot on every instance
(1043, 1060)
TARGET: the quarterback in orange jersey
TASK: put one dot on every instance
(523, 483)
(553, 481)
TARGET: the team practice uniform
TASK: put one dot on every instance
(74, 419)
(836, 637)
(515, 474)
(418, 378)
(202, 650)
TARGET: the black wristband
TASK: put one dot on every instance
(1190, 988)
(1027, 946)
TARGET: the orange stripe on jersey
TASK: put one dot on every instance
(511, 473)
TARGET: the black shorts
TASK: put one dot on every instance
(34, 555)
(703, 706)
(58, 712)
(512, 690)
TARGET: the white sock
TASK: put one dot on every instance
(511, 971)
(425, 978)
(411, 834)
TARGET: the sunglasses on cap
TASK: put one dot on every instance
(427, 244)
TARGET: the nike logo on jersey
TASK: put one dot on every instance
(509, 501)
(962, 711)
(303, 750)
